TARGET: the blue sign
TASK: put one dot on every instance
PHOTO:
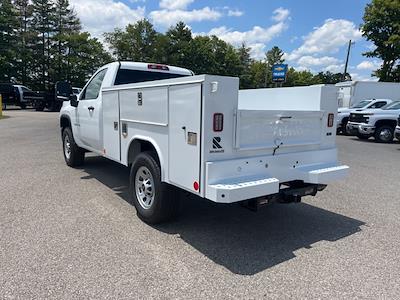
(279, 72)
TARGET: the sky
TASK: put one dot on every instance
(314, 34)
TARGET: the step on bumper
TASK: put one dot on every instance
(244, 189)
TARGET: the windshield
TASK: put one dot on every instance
(392, 106)
(361, 104)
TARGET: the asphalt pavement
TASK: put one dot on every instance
(72, 233)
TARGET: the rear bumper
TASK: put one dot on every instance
(240, 179)
(397, 133)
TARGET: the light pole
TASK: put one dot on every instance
(347, 60)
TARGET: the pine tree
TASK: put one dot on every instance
(8, 40)
(43, 28)
(66, 24)
(24, 55)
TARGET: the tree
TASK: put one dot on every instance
(43, 27)
(84, 56)
(137, 42)
(8, 39)
(24, 61)
(327, 78)
(66, 24)
(272, 57)
(178, 39)
(245, 62)
(382, 27)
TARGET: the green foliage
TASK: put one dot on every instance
(382, 27)
(41, 42)
(8, 39)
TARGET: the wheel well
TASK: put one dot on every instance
(138, 146)
(391, 123)
(64, 122)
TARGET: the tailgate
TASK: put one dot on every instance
(262, 129)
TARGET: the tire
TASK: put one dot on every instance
(39, 108)
(363, 136)
(155, 201)
(384, 134)
(23, 106)
(344, 127)
(74, 156)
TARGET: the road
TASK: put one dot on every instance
(71, 233)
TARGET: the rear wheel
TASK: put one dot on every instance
(384, 134)
(74, 155)
(155, 201)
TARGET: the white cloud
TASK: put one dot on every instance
(175, 4)
(368, 65)
(328, 38)
(280, 14)
(360, 77)
(167, 18)
(338, 68)
(257, 50)
(310, 61)
(256, 35)
(235, 13)
(99, 16)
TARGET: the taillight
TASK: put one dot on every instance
(157, 67)
(331, 119)
(218, 123)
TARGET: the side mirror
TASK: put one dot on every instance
(63, 90)
(73, 100)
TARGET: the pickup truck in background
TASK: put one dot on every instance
(14, 94)
(379, 124)
(344, 113)
(200, 134)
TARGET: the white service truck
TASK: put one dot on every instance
(350, 93)
(179, 132)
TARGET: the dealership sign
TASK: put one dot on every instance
(279, 72)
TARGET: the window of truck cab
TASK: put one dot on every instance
(126, 76)
(92, 89)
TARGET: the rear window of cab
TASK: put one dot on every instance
(126, 76)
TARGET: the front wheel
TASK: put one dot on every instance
(154, 200)
(384, 134)
(74, 155)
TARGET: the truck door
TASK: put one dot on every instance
(185, 135)
(88, 112)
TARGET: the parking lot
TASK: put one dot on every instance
(71, 233)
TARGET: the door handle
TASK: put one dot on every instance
(91, 108)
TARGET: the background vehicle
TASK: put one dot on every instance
(201, 135)
(380, 123)
(14, 94)
(51, 100)
(344, 113)
(351, 93)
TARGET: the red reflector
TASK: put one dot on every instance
(218, 123)
(196, 185)
(331, 118)
(157, 67)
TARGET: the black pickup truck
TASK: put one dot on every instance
(52, 99)
(13, 94)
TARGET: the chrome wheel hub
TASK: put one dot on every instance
(385, 135)
(67, 147)
(144, 187)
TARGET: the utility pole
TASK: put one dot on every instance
(347, 61)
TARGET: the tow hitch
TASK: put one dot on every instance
(292, 194)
